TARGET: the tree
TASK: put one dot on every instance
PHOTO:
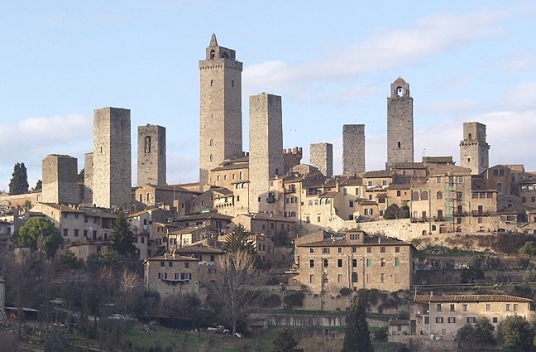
(516, 334)
(480, 333)
(391, 212)
(81, 175)
(471, 274)
(403, 213)
(528, 248)
(357, 336)
(38, 185)
(238, 241)
(19, 181)
(285, 342)
(237, 289)
(122, 237)
(40, 235)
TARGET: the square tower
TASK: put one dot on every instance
(400, 146)
(265, 148)
(220, 108)
(322, 158)
(112, 158)
(474, 150)
(151, 155)
(353, 149)
(88, 178)
(60, 179)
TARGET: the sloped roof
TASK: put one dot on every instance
(469, 298)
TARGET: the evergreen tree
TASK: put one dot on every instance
(39, 234)
(357, 336)
(238, 241)
(122, 237)
(38, 185)
(19, 181)
(285, 342)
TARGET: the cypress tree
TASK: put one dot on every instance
(357, 336)
(19, 181)
(122, 237)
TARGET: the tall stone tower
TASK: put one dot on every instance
(60, 179)
(353, 149)
(321, 155)
(265, 148)
(221, 108)
(151, 155)
(88, 178)
(474, 150)
(112, 158)
(399, 124)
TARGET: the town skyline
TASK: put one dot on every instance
(334, 81)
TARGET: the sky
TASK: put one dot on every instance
(331, 62)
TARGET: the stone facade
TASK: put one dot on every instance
(151, 155)
(265, 148)
(88, 179)
(60, 180)
(353, 149)
(321, 155)
(356, 261)
(112, 158)
(443, 315)
(400, 144)
(221, 108)
(474, 150)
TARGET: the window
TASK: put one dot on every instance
(471, 320)
(186, 265)
(354, 263)
(311, 250)
(452, 320)
(488, 307)
(369, 249)
(75, 232)
(427, 320)
(325, 263)
(438, 307)
(339, 250)
(439, 195)
(439, 320)
(397, 261)
(354, 277)
(452, 308)
(382, 262)
(507, 307)
(515, 307)
(162, 263)
(339, 263)
(351, 204)
(325, 250)
(170, 264)
(65, 232)
(311, 279)
(382, 249)
(369, 263)
(382, 277)
(495, 320)
(339, 278)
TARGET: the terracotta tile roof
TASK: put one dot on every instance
(437, 159)
(378, 174)
(198, 248)
(469, 298)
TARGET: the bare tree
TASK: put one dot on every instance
(238, 287)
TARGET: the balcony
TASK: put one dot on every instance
(483, 213)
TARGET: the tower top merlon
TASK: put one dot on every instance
(213, 40)
(216, 52)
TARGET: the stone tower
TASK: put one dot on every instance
(112, 158)
(221, 108)
(474, 150)
(151, 155)
(88, 178)
(353, 149)
(60, 180)
(265, 148)
(399, 124)
(322, 157)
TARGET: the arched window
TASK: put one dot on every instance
(501, 172)
(495, 172)
(211, 143)
(399, 144)
(439, 195)
(211, 158)
(414, 195)
(141, 198)
(212, 54)
(148, 197)
(424, 195)
(147, 144)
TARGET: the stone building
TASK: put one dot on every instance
(442, 316)
(265, 148)
(400, 144)
(87, 195)
(170, 197)
(60, 180)
(354, 260)
(112, 158)
(353, 149)
(221, 108)
(151, 155)
(474, 150)
(321, 155)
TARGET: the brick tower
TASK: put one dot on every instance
(353, 149)
(321, 155)
(474, 150)
(265, 148)
(221, 108)
(112, 159)
(399, 124)
(151, 155)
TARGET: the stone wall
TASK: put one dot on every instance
(321, 157)
(353, 149)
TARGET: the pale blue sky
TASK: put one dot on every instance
(332, 63)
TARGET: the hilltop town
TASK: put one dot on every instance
(320, 238)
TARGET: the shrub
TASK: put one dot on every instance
(294, 299)
(345, 291)
(271, 301)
